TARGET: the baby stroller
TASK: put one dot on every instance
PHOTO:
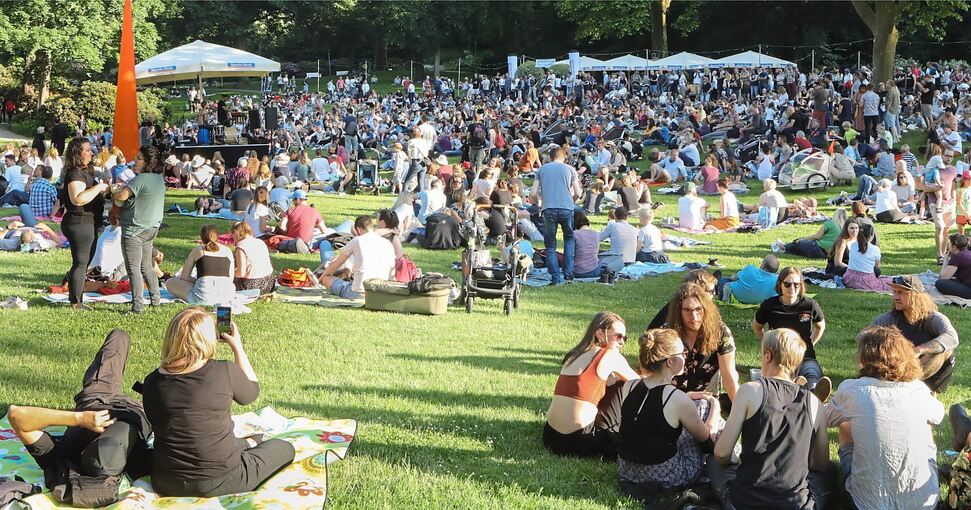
(748, 150)
(486, 279)
(812, 173)
(366, 177)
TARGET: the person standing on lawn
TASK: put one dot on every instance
(556, 189)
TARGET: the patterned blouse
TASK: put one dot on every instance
(700, 369)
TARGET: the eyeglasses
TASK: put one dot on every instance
(698, 310)
(946, 155)
(792, 285)
(683, 354)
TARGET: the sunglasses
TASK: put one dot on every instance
(792, 285)
(618, 336)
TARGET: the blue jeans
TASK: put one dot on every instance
(865, 188)
(806, 248)
(14, 198)
(590, 274)
(27, 216)
(564, 219)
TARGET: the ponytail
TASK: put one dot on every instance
(209, 236)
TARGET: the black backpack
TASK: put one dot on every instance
(430, 282)
(441, 233)
(478, 138)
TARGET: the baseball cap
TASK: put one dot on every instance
(299, 195)
(908, 282)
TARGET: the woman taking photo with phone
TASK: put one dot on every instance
(188, 400)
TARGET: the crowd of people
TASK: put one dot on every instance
(537, 157)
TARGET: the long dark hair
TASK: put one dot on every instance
(153, 159)
(844, 234)
(864, 237)
(601, 321)
(209, 235)
(73, 158)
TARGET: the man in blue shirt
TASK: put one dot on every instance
(42, 198)
(673, 165)
(752, 285)
(556, 187)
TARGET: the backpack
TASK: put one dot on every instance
(500, 140)
(295, 278)
(478, 135)
(441, 233)
(429, 283)
(405, 270)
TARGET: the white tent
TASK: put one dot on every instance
(683, 60)
(587, 64)
(198, 60)
(626, 63)
(753, 59)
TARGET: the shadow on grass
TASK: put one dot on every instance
(437, 397)
(512, 455)
(532, 365)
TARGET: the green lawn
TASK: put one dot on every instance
(451, 408)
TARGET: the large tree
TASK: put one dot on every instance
(597, 19)
(76, 37)
(915, 16)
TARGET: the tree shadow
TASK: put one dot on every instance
(440, 398)
(533, 365)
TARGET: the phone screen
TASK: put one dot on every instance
(224, 317)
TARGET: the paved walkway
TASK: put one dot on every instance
(6, 134)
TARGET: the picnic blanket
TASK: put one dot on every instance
(300, 486)
(55, 219)
(240, 300)
(819, 218)
(676, 243)
(635, 271)
(211, 216)
(818, 277)
(318, 297)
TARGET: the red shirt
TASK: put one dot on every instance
(803, 143)
(301, 220)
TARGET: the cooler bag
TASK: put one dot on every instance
(391, 296)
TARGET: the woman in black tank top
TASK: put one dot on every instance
(663, 439)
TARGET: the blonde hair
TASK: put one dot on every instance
(186, 341)
(656, 346)
(646, 215)
(786, 347)
(53, 152)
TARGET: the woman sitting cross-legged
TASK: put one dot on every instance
(885, 420)
(727, 207)
(214, 269)
(188, 400)
(572, 423)
(663, 439)
(253, 267)
(861, 271)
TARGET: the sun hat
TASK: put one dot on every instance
(171, 160)
(198, 161)
(441, 159)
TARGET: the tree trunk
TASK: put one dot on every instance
(885, 40)
(659, 25)
(881, 19)
(438, 59)
(45, 66)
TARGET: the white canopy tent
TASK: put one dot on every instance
(683, 60)
(198, 60)
(626, 63)
(752, 59)
(586, 64)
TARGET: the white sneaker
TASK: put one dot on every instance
(778, 246)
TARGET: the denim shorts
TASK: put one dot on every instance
(344, 289)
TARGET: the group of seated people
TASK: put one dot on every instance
(663, 421)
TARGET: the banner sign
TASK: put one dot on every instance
(513, 62)
(544, 63)
(241, 64)
(161, 69)
(574, 64)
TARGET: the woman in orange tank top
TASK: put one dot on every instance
(589, 370)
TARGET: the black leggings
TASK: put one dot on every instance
(257, 464)
(82, 237)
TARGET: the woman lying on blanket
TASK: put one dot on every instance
(188, 400)
(710, 354)
(728, 207)
(818, 245)
(214, 267)
(18, 237)
(804, 207)
(589, 370)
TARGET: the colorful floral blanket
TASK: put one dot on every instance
(300, 486)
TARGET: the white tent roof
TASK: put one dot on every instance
(626, 63)
(753, 59)
(587, 64)
(200, 59)
(683, 60)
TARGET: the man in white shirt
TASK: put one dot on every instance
(371, 257)
(623, 241)
(674, 165)
(320, 166)
(691, 208)
(689, 153)
(431, 200)
(950, 139)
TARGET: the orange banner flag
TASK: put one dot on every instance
(126, 101)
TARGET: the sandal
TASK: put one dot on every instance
(940, 261)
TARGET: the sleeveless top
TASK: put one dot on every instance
(587, 386)
(775, 451)
(258, 256)
(213, 264)
(646, 437)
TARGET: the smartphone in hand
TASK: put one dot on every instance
(224, 319)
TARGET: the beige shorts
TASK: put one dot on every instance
(944, 218)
